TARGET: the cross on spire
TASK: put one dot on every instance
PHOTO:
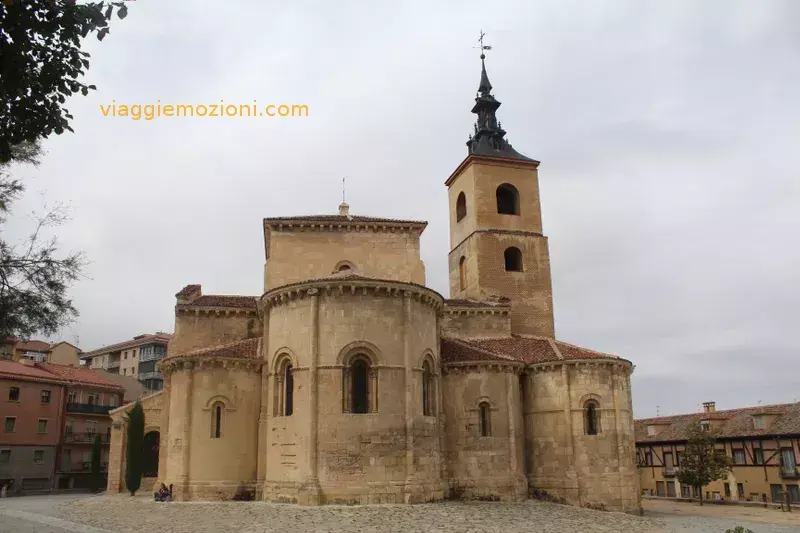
(483, 46)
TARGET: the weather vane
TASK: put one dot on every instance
(483, 46)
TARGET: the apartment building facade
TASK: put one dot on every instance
(89, 398)
(32, 412)
(137, 358)
(60, 353)
(763, 442)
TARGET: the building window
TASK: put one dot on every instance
(462, 272)
(788, 460)
(360, 386)
(758, 422)
(13, 394)
(38, 457)
(461, 207)
(592, 418)
(513, 259)
(651, 430)
(705, 425)
(216, 420)
(113, 401)
(5, 457)
(677, 458)
(738, 457)
(41, 427)
(45, 396)
(485, 413)
(648, 457)
(740, 490)
(759, 456)
(507, 200)
(71, 397)
(427, 390)
(11, 423)
(289, 390)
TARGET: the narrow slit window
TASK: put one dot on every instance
(485, 419)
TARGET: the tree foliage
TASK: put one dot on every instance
(701, 463)
(34, 277)
(135, 448)
(40, 63)
(96, 475)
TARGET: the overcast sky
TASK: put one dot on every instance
(669, 136)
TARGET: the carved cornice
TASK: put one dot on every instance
(181, 310)
(455, 310)
(347, 225)
(621, 365)
(333, 287)
(513, 367)
(206, 362)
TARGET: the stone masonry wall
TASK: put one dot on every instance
(195, 329)
(296, 256)
(470, 323)
(484, 467)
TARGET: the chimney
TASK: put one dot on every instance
(709, 407)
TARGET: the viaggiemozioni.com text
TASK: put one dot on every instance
(217, 110)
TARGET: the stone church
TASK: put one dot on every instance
(350, 381)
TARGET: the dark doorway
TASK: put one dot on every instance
(150, 459)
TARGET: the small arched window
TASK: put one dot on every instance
(462, 273)
(427, 390)
(461, 207)
(592, 418)
(513, 259)
(359, 393)
(288, 384)
(217, 411)
(507, 200)
(485, 414)
(344, 267)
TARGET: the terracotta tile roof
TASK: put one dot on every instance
(735, 423)
(502, 302)
(351, 275)
(223, 300)
(340, 219)
(19, 371)
(189, 289)
(161, 338)
(243, 349)
(459, 351)
(525, 349)
(33, 346)
(80, 376)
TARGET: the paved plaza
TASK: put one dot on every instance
(123, 514)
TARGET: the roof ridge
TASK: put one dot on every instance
(199, 351)
(586, 349)
(555, 348)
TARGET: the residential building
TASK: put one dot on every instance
(90, 396)
(136, 358)
(61, 353)
(134, 389)
(31, 414)
(763, 442)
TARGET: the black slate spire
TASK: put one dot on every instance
(489, 136)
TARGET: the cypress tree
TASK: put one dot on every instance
(96, 475)
(135, 448)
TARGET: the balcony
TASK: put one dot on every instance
(88, 438)
(670, 472)
(113, 364)
(790, 473)
(88, 408)
(150, 375)
(82, 466)
(155, 356)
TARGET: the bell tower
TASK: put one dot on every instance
(497, 247)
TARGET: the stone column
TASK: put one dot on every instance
(618, 429)
(572, 483)
(313, 397)
(409, 376)
(512, 426)
(186, 437)
(163, 448)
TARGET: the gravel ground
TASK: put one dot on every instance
(123, 514)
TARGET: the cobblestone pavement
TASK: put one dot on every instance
(123, 514)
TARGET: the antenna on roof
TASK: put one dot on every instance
(343, 191)
(657, 410)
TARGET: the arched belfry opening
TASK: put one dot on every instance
(513, 259)
(507, 199)
(461, 207)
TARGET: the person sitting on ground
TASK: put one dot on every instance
(163, 494)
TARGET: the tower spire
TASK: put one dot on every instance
(489, 138)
